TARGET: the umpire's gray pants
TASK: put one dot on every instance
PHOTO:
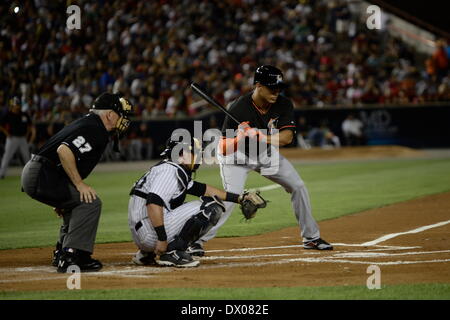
(234, 178)
(14, 143)
(80, 220)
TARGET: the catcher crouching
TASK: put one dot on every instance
(161, 223)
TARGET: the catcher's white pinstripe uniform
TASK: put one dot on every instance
(170, 182)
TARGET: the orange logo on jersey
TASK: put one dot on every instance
(272, 124)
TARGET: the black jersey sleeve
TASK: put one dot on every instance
(85, 141)
(286, 120)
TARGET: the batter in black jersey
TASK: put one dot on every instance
(265, 108)
(55, 175)
(278, 115)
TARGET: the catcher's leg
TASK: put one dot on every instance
(288, 178)
(233, 179)
(199, 224)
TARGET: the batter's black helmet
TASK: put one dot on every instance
(269, 76)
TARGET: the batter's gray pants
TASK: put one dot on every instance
(235, 176)
(80, 220)
(14, 143)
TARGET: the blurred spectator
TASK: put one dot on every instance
(440, 59)
(323, 137)
(18, 128)
(302, 133)
(352, 128)
(152, 50)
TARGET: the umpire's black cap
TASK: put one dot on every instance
(113, 101)
(269, 76)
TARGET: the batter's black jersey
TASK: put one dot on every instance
(16, 123)
(280, 115)
(87, 137)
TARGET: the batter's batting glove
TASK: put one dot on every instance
(250, 203)
(242, 129)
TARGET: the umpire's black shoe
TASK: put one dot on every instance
(318, 244)
(196, 249)
(57, 254)
(78, 258)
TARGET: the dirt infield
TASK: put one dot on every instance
(409, 241)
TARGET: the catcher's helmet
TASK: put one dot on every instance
(269, 76)
(117, 103)
(175, 149)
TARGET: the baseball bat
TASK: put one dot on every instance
(195, 87)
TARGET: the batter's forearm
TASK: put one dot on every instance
(281, 139)
(69, 164)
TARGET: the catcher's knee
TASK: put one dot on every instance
(199, 224)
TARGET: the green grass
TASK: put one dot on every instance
(336, 189)
(392, 292)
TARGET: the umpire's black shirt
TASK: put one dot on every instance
(86, 137)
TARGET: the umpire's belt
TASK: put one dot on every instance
(41, 159)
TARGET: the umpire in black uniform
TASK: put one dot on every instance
(55, 175)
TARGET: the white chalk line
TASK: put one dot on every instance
(394, 235)
(151, 272)
(383, 254)
(330, 259)
(319, 260)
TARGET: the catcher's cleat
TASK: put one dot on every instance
(79, 258)
(177, 258)
(142, 258)
(196, 250)
(318, 244)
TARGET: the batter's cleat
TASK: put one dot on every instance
(143, 258)
(196, 250)
(318, 244)
(177, 258)
(77, 258)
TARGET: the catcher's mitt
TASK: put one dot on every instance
(250, 203)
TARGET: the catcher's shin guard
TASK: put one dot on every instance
(199, 224)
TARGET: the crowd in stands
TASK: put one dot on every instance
(152, 50)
